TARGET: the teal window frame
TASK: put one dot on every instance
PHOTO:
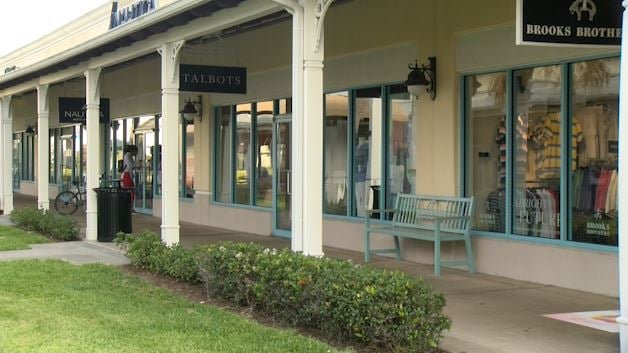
(566, 189)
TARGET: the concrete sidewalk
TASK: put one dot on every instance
(490, 314)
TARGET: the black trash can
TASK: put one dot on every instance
(125, 210)
(114, 212)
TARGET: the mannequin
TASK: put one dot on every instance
(362, 177)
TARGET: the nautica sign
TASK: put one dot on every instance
(569, 22)
(129, 13)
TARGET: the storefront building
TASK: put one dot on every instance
(530, 132)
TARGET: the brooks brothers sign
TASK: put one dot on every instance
(569, 22)
(71, 110)
(220, 79)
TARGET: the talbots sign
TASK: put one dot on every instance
(71, 110)
(569, 22)
(220, 79)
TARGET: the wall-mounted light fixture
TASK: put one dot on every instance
(30, 129)
(422, 78)
(192, 109)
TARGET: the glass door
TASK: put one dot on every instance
(17, 164)
(282, 210)
(145, 143)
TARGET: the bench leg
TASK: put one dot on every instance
(367, 246)
(437, 257)
(397, 248)
(470, 258)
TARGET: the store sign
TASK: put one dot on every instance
(569, 22)
(613, 146)
(71, 110)
(219, 79)
(129, 13)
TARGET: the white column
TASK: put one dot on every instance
(43, 113)
(622, 197)
(7, 154)
(92, 102)
(297, 122)
(313, 55)
(170, 145)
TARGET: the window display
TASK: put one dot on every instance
(527, 153)
(336, 126)
(595, 103)
(486, 171)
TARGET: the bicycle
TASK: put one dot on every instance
(68, 201)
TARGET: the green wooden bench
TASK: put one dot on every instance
(432, 218)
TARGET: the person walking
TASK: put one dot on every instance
(127, 178)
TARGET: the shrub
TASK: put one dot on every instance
(146, 250)
(351, 303)
(347, 302)
(49, 224)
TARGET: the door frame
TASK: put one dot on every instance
(279, 119)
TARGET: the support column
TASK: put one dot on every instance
(43, 171)
(7, 154)
(92, 103)
(622, 188)
(170, 145)
(313, 55)
(297, 161)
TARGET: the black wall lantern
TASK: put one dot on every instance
(422, 78)
(190, 110)
(30, 129)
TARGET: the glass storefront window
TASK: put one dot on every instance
(263, 164)
(537, 151)
(336, 155)
(189, 159)
(486, 170)
(52, 159)
(223, 155)
(401, 147)
(367, 149)
(243, 154)
(595, 103)
(67, 156)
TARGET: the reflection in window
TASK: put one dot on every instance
(401, 147)
(189, 159)
(243, 154)
(486, 174)
(537, 151)
(366, 149)
(263, 163)
(67, 156)
(336, 132)
(595, 103)
(223, 155)
(52, 159)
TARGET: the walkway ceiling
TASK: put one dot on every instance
(204, 9)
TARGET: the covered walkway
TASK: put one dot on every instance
(490, 314)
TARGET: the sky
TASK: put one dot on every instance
(25, 21)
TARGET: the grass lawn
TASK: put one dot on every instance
(53, 306)
(17, 239)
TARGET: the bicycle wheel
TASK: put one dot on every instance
(66, 203)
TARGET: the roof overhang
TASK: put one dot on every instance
(162, 20)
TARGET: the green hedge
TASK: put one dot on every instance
(351, 303)
(145, 250)
(47, 223)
